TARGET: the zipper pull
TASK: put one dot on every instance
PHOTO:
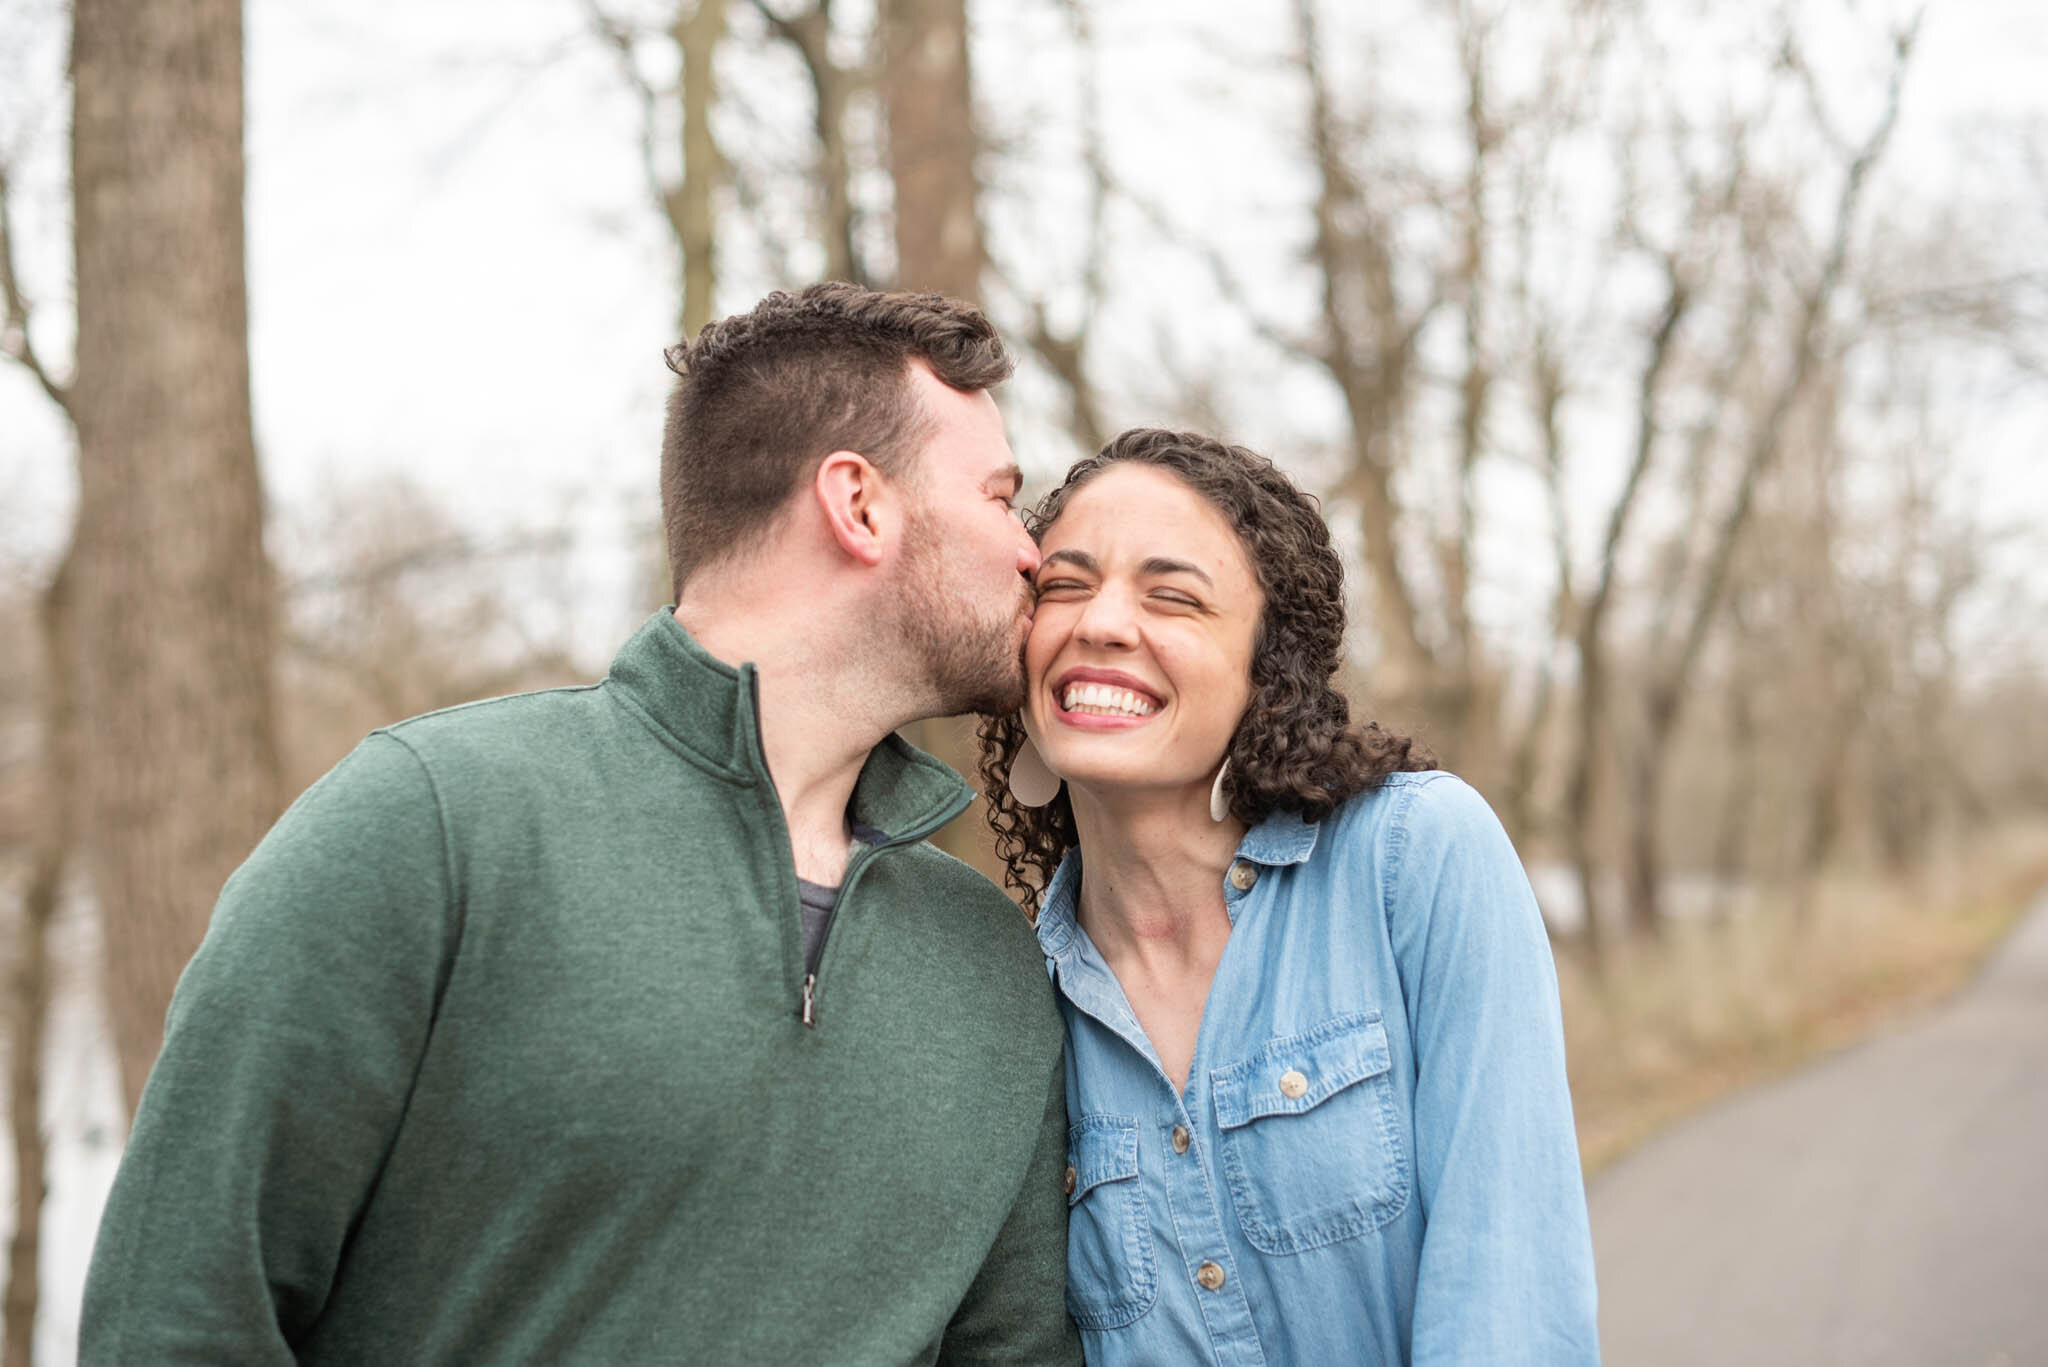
(810, 1011)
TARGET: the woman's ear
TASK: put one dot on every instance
(858, 505)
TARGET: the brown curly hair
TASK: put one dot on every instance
(1296, 748)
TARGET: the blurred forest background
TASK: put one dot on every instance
(1675, 380)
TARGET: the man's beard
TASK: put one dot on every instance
(972, 654)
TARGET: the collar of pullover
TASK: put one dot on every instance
(709, 712)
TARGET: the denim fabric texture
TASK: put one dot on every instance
(1379, 1157)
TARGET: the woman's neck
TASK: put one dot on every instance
(1152, 874)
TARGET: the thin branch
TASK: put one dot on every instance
(1806, 351)
(622, 42)
(15, 341)
(832, 86)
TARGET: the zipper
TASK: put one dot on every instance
(807, 1000)
(807, 1003)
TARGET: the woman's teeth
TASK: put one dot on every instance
(1101, 700)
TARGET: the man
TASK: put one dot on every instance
(638, 1023)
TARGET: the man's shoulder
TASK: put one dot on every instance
(494, 736)
(960, 883)
(494, 719)
(978, 922)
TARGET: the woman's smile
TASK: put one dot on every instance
(1103, 699)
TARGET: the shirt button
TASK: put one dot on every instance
(1243, 874)
(1293, 1083)
(1180, 1139)
(1210, 1276)
(1072, 1180)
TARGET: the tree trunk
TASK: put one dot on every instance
(29, 1002)
(174, 626)
(928, 97)
(693, 212)
(1643, 869)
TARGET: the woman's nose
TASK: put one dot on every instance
(1109, 619)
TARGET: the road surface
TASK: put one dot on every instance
(1887, 1206)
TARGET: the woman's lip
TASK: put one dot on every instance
(1096, 721)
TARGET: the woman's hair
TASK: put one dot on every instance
(1296, 748)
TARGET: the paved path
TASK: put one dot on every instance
(1887, 1206)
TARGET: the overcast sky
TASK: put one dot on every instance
(454, 273)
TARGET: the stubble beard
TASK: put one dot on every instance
(972, 657)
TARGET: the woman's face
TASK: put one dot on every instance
(1139, 661)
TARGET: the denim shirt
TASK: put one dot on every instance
(1374, 1159)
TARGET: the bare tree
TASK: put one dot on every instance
(928, 100)
(1670, 685)
(174, 625)
(29, 997)
(809, 32)
(687, 201)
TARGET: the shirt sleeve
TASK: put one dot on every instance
(289, 1050)
(1015, 1310)
(1506, 1273)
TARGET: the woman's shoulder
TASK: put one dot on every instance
(1409, 812)
(1404, 798)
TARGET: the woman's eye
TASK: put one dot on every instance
(1175, 598)
(1052, 587)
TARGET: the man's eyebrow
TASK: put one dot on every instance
(1078, 559)
(1012, 475)
(1160, 564)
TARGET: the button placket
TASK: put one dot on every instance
(1196, 1209)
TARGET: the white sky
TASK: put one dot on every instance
(454, 273)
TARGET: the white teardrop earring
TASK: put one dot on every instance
(1032, 781)
(1219, 801)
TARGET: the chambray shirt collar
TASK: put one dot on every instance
(1281, 839)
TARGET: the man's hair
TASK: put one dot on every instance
(762, 397)
(1296, 748)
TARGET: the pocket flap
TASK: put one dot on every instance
(1300, 1072)
(1101, 1148)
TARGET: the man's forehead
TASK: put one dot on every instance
(964, 430)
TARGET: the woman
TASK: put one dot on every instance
(1315, 1070)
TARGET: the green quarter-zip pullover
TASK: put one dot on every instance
(496, 1051)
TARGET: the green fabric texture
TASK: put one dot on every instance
(493, 1054)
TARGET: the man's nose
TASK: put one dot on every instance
(1027, 554)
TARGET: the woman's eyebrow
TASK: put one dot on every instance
(1160, 564)
(1080, 560)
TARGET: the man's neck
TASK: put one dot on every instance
(821, 710)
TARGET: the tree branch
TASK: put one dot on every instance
(15, 341)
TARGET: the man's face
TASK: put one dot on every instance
(967, 560)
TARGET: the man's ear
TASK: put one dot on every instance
(858, 504)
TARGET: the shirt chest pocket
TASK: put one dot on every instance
(1311, 1137)
(1112, 1276)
